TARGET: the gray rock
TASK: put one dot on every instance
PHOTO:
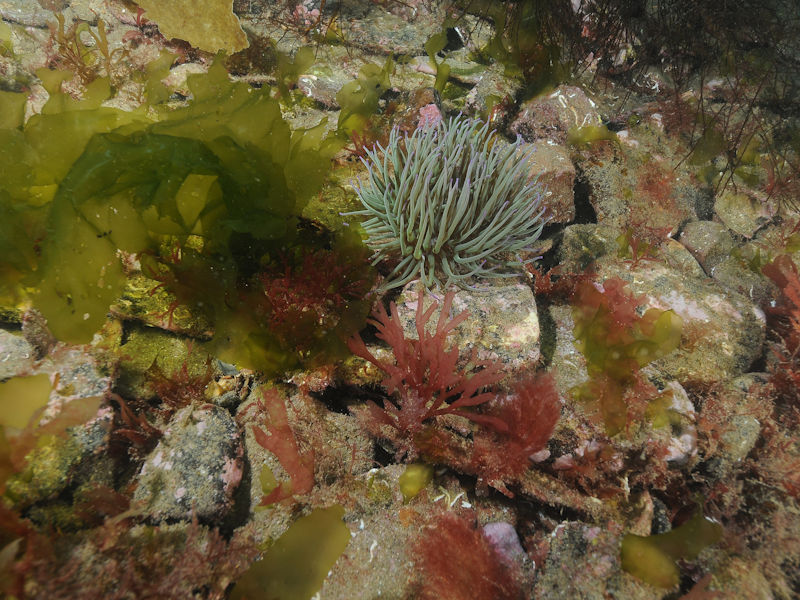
(742, 213)
(709, 242)
(25, 12)
(195, 468)
(503, 324)
(17, 355)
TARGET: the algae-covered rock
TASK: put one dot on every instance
(152, 303)
(46, 474)
(149, 354)
(195, 468)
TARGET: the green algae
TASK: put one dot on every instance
(359, 99)
(433, 46)
(414, 479)
(205, 196)
(617, 342)
(21, 398)
(295, 566)
(653, 558)
(586, 135)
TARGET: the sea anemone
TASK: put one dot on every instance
(450, 201)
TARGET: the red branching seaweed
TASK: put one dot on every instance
(301, 301)
(455, 561)
(785, 376)
(424, 378)
(531, 414)
(279, 439)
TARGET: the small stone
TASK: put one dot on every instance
(504, 539)
(740, 437)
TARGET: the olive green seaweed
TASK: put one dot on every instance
(205, 196)
(653, 558)
(296, 565)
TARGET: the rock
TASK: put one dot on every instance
(149, 355)
(332, 70)
(736, 274)
(742, 213)
(77, 374)
(150, 302)
(583, 563)
(551, 117)
(556, 173)
(504, 539)
(46, 474)
(505, 329)
(25, 12)
(195, 468)
(634, 192)
(566, 363)
(378, 563)
(736, 412)
(744, 578)
(17, 355)
(340, 447)
(723, 332)
(681, 434)
(740, 438)
(77, 458)
(582, 244)
(709, 242)
(677, 256)
(376, 29)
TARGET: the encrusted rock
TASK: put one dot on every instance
(195, 468)
(150, 302)
(723, 332)
(584, 562)
(556, 173)
(709, 242)
(551, 117)
(742, 213)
